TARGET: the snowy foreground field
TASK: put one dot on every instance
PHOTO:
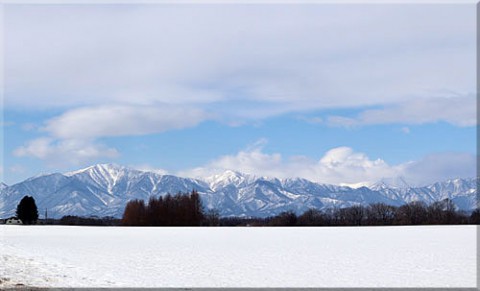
(70, 256)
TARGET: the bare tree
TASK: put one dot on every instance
(380, 214)
(212, 217)
(475, 216)
(286, 218)
(356, 215)
(312, 217)
(413, 213)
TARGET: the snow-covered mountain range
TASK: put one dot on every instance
(104, 190)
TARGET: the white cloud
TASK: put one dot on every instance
(72, 136)
(251, 160)
(249, 61)
(440, 166)
(460, 111)
(342, 121)
(65, 152)
(341, 165)
(120, 120)
(312, 120)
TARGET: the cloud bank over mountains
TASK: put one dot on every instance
(340, 166)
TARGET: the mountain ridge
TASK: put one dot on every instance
(104, 190)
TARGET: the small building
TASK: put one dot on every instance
(14, 221)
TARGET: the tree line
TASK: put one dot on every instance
(413, 213)
(185, 209)
(87, 221)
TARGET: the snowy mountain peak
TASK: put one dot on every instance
(223, 176)
(102, 168)
(361, 184)
(3, 186)
(392, 183)
(228, 177)
(457, 182)
(109, 170)
(105, 176)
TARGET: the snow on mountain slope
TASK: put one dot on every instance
(460, 191)
(3, 186)
(227, 178)
(104, 190)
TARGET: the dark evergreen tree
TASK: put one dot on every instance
(27, 210)
(196, 209)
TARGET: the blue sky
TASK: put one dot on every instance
(341, 94)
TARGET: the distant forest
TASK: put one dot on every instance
(185, 209)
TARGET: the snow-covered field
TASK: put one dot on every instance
(70, 256)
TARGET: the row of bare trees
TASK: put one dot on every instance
(81, 220)
(413, 213)
(183, 209)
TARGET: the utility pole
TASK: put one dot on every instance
(46, 216)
